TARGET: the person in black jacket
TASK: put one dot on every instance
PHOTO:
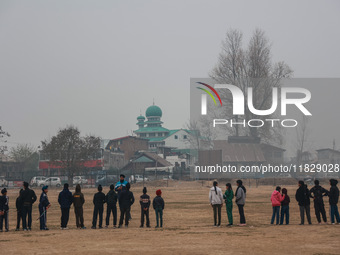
(111, 201)
(333, 201)
(317, 193)
(65, 200)
(126, 199)
(158, 205)
(28, 198)
(145, 205)
(98, 201)
(18, 205)
(4, 200)
(44, 204)
(302, 196)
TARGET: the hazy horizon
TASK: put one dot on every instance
(98, 65)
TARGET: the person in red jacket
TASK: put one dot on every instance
(276, 199)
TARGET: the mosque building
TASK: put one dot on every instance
(158, 136)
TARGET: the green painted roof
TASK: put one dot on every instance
(140, 117)
(153, 122)
(153, 110)
(151, 129)
(156, 139)
(143, 159)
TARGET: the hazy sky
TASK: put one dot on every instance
(97, 64)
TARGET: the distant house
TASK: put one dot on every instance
(233, 154)
(240, 153)
(148, 163)
(127, 145)
(328, 156)
(272, 154)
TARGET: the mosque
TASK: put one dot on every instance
(159, 136)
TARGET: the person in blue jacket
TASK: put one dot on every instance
(121, 185)
(44, 204)
(65, 199)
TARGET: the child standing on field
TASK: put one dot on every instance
(228, 197)
(44, 204)
(144, 204)
(4, 200)
(285, 207)
(98, 201)
(276, 199)
(158, 205)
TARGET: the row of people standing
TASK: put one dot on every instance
(118, 193)
(216, 199)
(303, 196)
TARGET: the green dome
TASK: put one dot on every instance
(153, 111)
(140, 117)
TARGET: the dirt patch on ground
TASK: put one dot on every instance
(187, 227)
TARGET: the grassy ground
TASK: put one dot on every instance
(187, 228)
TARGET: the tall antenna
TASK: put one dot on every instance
(153, 101)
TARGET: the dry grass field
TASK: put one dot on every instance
(187, 228)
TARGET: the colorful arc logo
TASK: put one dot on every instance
(209, 93)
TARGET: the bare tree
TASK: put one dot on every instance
(249, 67)
(3, 141)
(302, 136)
(27, 155)
(70, 151)
(201, 135)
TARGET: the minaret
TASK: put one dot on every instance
(140, 122)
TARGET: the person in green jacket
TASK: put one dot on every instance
(228, 197)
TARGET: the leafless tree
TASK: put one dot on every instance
(249, 67)
(3, 141)
(69, 151)
(27, 155)
(302, 136)
(201, 135)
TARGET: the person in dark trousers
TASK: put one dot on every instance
(44, 204)
(126, 199)
(302, 197)
(216, 202)
(240, 200)
(121, 186)
(158, 206)
(18, 205)
(317, 193)
(228, 197)
(4, 208)
(78, 202)
(65, 200)
(98, 201)
(285, 207)
(333, 201)
(145, 202)
(111, 201)
(28, 198)
(276, 199)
